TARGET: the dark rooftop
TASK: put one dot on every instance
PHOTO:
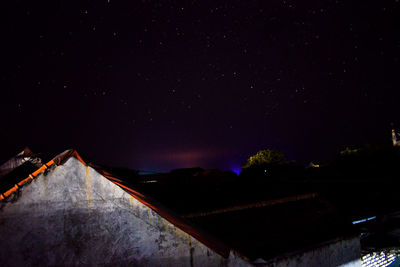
(257, 215)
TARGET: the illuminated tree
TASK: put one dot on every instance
(267, 156)
(349, 152)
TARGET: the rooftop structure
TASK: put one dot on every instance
(69, 212)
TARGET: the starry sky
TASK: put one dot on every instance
(157, 85)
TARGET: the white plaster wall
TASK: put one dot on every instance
(75, 216)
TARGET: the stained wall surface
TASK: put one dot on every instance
(74, 216)
(342, 252)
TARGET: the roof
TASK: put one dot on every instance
(15, 161)
(257, 219)
(268, 231)
(260, 217)
(164, 212)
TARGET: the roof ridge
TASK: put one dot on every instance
(17, 160)
(169, 215)
(258, 204)
(24, 181)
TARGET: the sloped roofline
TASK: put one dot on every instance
(26, 180)
(163, 211)
(15, 161)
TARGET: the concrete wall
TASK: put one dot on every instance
(75, 216)
(344, 252)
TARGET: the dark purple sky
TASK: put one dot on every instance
(157, 85)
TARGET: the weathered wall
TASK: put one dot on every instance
(341, 252)
(75, 216)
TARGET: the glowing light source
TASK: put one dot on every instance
(364, 220)
(237, 170)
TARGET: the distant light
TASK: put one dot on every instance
(149, 182)
(237, 171)
(364, 220)
(141, 172)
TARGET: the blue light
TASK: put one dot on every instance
(237, 170)
(364, 220)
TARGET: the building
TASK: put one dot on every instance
(68, 212)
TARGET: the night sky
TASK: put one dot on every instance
(157, 85)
